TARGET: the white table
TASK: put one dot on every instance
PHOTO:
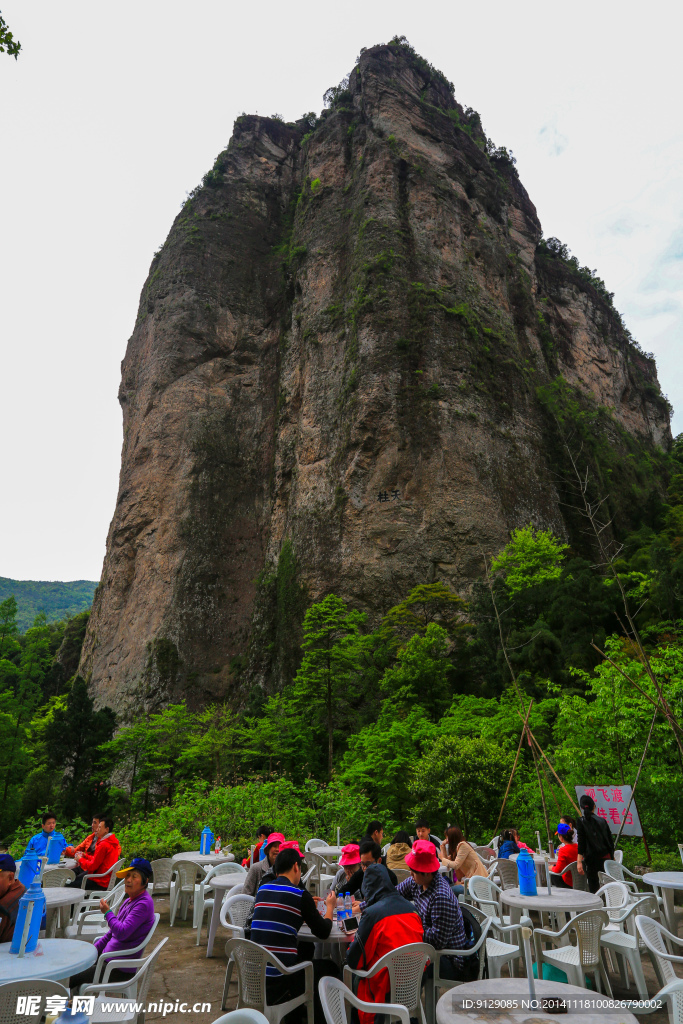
(567, 901)
(667, 881)
(451, 1009)
(55, 898)
(61, 960)
(204, 859)
(337, 935)
(221, 885)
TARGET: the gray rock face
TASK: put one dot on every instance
(346, 375)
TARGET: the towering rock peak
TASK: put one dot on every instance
(353, 366)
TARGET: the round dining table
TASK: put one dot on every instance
(507, 1001)
(53, 959)
(668, 882)
(568, 901)
(57, 897)
(222, 884)
(204, 860)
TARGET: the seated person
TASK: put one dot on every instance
(396, 854)
(259, 868)
(388, 921)
(89, 843)
(38, 844)
(262, 833)
(423, 832)
(567, 854)
(374, 831)
(349, 863)
(270, 876)
(507, 844)
(370, 853)
(107, 852)
(128, 926)
(280, 909)
(11, 891)
(460, 858)
(567, 819)
(437, 905)
(520, 844)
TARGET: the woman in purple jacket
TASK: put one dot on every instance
(128, 927)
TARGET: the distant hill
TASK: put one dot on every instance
(58, 600)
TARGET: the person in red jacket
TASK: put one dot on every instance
(107, 852)
(566, 854)
(89, 843)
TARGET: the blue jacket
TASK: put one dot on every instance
(507, 848)
(39, 843)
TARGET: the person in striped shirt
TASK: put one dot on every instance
(280, 909)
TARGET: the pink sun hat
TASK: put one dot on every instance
(291, 844)
(422, 857)
(350, 855)
(274, 837)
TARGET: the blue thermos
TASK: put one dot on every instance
(54, 849)
(29, 917)
(206, 841)
(29, 869)
(526, 871)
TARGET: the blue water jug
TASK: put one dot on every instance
(206, 841)
(29, 868)
(31, 909)
(54, 849)
(526, 870)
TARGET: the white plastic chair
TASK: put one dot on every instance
(498, 950)
(579, 882)
(202, 902)
(486, 894)
(406, 966)
(335, 996)
(616, 898)
(618, 856)
(401, 874)
(486, 854)
(507, 872)
(658, 941)
(131, 991)
(576, 960)
(186, 875)
(437, 981)
(242, 1017)
(314, 844)
(320, 879)
(106, 957)
(54, 877)
(622, 939)
(235, 913)
(162, 870)
(89, 923)
(11, 990)
(110, 874)
(621, 874)
(251, 961)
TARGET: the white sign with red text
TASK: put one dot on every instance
(611, 803)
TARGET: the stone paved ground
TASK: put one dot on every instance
(184, 974)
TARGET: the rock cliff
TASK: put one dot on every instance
(349, 369)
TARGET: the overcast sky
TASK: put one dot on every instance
(114, 111)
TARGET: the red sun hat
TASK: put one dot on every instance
(422, 857)
(350, 855)
(274, 837)
(291, 844)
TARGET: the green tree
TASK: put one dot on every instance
(531, 557)
(8, 627)
(8, 44)
(425, 604)
(77, 730)
(420, 676)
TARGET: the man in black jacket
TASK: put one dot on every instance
(370, 853)
(595, 843)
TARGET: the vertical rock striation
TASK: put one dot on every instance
(350, 371)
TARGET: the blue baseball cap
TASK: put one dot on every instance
(7, 863)
(563, 828)
(137, 864)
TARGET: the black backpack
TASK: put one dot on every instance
(470, 969)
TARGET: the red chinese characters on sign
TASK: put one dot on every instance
(606, 797)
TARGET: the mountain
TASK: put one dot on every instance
(58, 600)
(356, 367)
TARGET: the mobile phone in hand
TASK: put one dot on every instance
(350, 924)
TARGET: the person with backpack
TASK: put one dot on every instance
(441, 913)
(595, 844)
(388, 921)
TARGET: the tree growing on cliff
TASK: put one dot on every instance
(8, 44)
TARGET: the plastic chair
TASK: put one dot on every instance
(54, 877)
(486, 854)
(130, 991)
(251, 961)
(308, 876)
(314, 844)
(576, 960)
(106, 957)
(621, 874)
(507, 872)
(110, 873)
(163, 869)
(401, 874)
(405, 965)
(486, 894)
(437, 981)
(616, 898)
(201, 902)
(499, 951)
(235, 913)
(618, 856)
(186, 875)
(90, 923)
(626, 944)
(658, 940)
(11, 990)
(579, 882)
(242, 1017)
(335, 996)
(320, 879)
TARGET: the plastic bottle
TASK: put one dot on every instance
(206, 840)
(53, 849)
(29, 869)
(31, 908)
(218, 845)
(526, 870)
(348, 906)
(339, 916)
